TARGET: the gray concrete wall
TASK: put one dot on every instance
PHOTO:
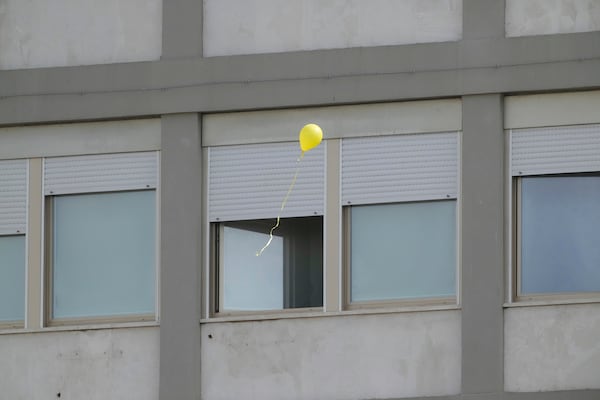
(552, 348)
(341, 357)
(39, 33)
(89, 364)
(263, 26)
(546, 17)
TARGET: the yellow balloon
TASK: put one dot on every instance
(310, 136)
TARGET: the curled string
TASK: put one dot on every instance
(285, 199)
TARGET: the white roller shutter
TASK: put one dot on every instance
(400, 168)
(100, 173)
(251, 181)
(552, 150)
(13, 197)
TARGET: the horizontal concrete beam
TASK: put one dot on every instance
(363, 88)
(475, 66)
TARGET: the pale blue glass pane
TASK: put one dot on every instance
(560, 234)
(104, 254)
(252, 282)
(12, 278)
(403, 251)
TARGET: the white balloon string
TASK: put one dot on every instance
(285, 199)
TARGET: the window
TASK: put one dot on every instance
(13, 192)
(559, 231)
(402, 251)
(79, 226)
(557, 210)
(400, 203)
(247, 186)
(288, 274)
(371, 224)
(101, 236)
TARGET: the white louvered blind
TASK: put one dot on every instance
(400, 168)
(13, 196)
(251, 181)
(551, 150)
(100, 173)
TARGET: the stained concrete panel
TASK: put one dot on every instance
(41, 33)
(270, 26)
(545, 17)
(552, 348)
(80, 138)
(552, 109)
(116, 364)
(337, 122)
(341, 357)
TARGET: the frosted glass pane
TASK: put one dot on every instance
(251, 282)
(288, 274)
(104, 254)
(403, 251)
(560, 227)
(12, 278)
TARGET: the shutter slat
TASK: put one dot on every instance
(13, 197)
(400, 168)
(251, 181)
(100, 173)
(552, 150)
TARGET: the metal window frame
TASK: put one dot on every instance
(349, 304)
(217, 283)
(48, 279)
(516, 290)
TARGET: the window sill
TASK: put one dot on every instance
(71, 328)
(551, 302)
(323, 314)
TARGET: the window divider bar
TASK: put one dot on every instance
(332, 227)
(34, 304)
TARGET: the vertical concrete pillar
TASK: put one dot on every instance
(482, 244)
(182, 28)
(181, 205)
(483, 19)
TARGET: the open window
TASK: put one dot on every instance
(247, 188)
(288, 274)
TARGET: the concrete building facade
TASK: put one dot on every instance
(139, 98)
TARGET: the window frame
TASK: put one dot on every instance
(212, 271)
(529, 116)
(48, 272)
(217, 284)
(338, 122)
(348, 304)
(18, 324)
(341, 287)
(21, 231)
(517, 294)
(34, 143)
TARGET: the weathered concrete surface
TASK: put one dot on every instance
(342, 357)
(41, 33)
(552, 348)
(265, 26)
(92, 365)
(80, 138)
(544, 17)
